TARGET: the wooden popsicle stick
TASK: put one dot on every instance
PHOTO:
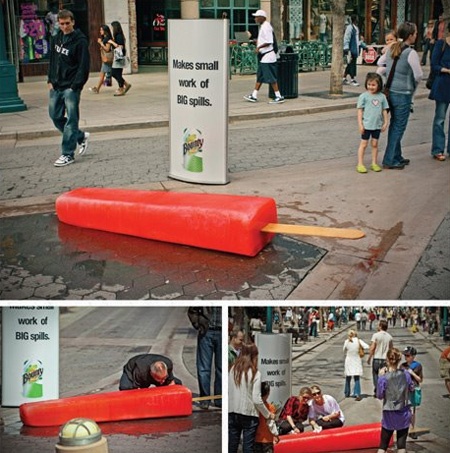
(307, 230)
(204, 398)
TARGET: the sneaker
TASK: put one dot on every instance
(375, 167)
(361, 169)
(63, 160)
(278, 100)
(84, 144)
(250, 98)
(127, 86)
(354, 83)
(345, 82)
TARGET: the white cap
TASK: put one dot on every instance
(260, 13)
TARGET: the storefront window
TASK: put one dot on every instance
(37, 22)
(239, 12)
(152, 19)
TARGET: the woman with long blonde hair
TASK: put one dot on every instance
(353, 364)
(244, 400)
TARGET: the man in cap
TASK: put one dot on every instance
(267, 59)
(144, 370)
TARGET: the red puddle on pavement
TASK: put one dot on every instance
(129, 428)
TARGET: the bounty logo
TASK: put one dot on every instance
(32, 379)
(193, 150)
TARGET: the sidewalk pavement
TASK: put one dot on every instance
(405, 215)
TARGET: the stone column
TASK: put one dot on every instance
(9, 97)
(190, 9)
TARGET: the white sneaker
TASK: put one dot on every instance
(84, 144)
(354, 83)
(345, 82)
(250, 98)
(62, 161)
(278, 100)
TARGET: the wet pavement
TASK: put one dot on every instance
(130, 436)
(400, 231)
(43, 258)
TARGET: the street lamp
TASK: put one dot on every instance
(9, 98)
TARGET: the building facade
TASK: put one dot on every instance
(29, 24)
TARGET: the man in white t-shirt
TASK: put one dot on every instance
(381, 342)
(267, 59)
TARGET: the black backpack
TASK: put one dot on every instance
(275, 44)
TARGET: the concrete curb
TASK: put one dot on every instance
(232, 118)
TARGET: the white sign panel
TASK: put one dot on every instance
(30, 354)
(198, 77)
(275, 365)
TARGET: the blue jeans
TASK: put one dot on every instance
(438, 142)
(377, 364)
(357, 388)
(208, 345)
(400, 108)
(64, 111)
(241, 424)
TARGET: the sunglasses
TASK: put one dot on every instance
(306, 398)
(316, 393)
(407, 355)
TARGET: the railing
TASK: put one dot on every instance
(312, 55)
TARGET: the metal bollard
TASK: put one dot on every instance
(81, 435)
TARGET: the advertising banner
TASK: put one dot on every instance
(30, 354)
(198, 78)
(275, 365)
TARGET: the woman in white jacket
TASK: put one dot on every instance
(244, 400)
(353, 364)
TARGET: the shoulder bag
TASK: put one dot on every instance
(387, 87)
(361, 350)
(107, 57)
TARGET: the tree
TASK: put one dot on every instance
(446, 13)
(337, 70)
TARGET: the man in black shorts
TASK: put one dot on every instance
(267, 59)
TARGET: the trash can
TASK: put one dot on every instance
(287, 68)
(447, 333)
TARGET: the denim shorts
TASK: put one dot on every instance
(267, 73)
(375, 133)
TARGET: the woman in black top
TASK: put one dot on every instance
(105, 49)
(118, 40)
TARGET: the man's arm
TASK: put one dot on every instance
(372, 348)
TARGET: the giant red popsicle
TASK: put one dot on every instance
(228, 223)
(357, 437)
(154, 402)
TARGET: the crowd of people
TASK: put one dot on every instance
(253, 418)
(397, 378)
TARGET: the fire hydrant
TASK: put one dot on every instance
(81, 435)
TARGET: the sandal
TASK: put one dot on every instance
(119, 92)
(93, 90)
(440, 157)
